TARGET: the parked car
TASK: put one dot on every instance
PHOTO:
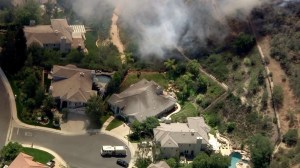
(122, 163)
(51, 163)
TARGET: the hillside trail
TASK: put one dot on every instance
(280, 78)
(115, 34)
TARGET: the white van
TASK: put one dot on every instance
(107, 150)
(113, 150)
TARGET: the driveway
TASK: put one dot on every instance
(80, 151)
(4, 114)
(76, 123)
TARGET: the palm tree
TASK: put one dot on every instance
(129, 58)
(170, 64)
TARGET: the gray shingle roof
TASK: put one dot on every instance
(68, 84)
(141, 100)
(170, 135)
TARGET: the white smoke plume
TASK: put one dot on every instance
(164, 24)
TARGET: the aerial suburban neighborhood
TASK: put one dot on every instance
(149, 84)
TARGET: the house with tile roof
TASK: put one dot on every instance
(25, 161)
(182, 139)
(59, 35)
(72, 87)
(141, 100)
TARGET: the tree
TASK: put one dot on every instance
(291, 137)
(172, 162)
(13, 53)
(201, 160)
(10, 151)
(230, 126)
(243, 43)
(201, 84)
(29, 11)
(193, 67)
(30, 85)
(261, 151)
(170, 66)
(39, 96)
(142, 162)
(213, 161)
(75, 56)
(277, 96)
(94, 110)
(150, 123)
(219, 161)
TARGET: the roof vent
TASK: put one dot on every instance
(192, 132)
(81, 74)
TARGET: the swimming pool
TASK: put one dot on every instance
(235, 158)
(102, 78)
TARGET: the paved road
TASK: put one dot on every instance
(4, 114)
(80, 151)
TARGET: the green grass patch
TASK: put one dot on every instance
(132, 78)
(214, 90)
(104, 118)
(38, 155)
(90, 42)
(114, 124)
(187, 110)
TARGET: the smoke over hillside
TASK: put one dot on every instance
(166, 24)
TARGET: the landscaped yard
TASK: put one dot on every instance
(90, 42)
(132, 78)
(187, 110)
(114, 124)
(38, 155)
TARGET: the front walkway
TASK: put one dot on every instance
(176, 111)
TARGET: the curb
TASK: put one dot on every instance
(56, 156)
(14, 115)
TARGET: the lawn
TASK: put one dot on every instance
(90, 42)
(114, 124)
(132, 78)
(38, 155)
(187, 110)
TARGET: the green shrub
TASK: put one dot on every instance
(291, 137)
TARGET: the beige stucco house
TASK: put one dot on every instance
(59, 35)
(182, 139)
(71, 86)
